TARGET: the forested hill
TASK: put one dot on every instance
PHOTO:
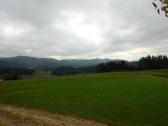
(46, 63)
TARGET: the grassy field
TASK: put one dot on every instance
(125, 98)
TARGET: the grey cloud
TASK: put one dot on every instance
(81, 28)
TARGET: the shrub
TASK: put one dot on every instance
(11, 76)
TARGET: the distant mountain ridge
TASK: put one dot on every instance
(46, 63)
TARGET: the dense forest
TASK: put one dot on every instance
(115, 66)
(153, 62)
(145, 63)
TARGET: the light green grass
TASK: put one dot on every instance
(127, 98)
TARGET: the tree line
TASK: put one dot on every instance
(153, 62)
(66, 70)
(115, 66)
(145, 63)
(14, 73)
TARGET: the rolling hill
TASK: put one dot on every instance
(46, 63)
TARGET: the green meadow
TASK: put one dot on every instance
(123, 98)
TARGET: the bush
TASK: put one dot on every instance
(11, 76)
(65, 70)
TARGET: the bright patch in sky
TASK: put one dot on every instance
(79, 25)
(11, 31)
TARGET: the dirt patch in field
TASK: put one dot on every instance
(17, 116)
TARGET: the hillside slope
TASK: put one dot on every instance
(46, 63)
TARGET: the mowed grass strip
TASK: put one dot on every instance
(124, 98)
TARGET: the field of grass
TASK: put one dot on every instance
(125, 98)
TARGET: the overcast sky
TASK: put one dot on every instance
(82, 29)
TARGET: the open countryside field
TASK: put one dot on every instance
(118, 98)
